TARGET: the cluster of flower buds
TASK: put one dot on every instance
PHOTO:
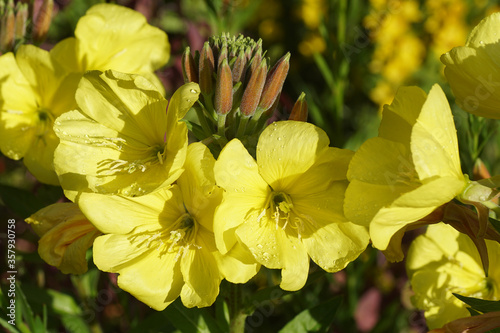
(14, 21)
(240, 91)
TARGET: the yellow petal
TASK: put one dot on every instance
(411, 207)
(331, 165)
(473, 71)
(238, 266)
(286, 149)
(115, 37)
(39, 159)
(200, 194)
(434, 144)
(332, 246)
(120, 215)
(200, 289)
(183, 99)
(400, 116)
(119, 139)
(18, 117)
(380, 171)
(154, 280)
(246, 192)
(66, 235)
(273, 247)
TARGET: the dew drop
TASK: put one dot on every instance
(193, 91)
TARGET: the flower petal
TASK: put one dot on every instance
(200, 289)
(334, 245)
(200, 194)
(434, 144)
(286, 149)
(411, 207)
(120, 215)
(246, 192)
(238, 266)
(66, 235)
(115, 37)
(115, 253)
(400, 116)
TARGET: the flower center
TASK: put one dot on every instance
(46, 121)
(153, 155)
(280, 209)
(178, 238)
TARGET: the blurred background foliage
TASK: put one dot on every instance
(349, 57)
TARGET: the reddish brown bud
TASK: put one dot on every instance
(253, 90)
(189, 70)
(7, 28)
(255, 61)
(239, 67)
(42, 21)
(224, 89)
(299, 111)
(274, 82)
(206, 69)
(222, 55)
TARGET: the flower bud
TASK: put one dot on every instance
(239, 67)
(299, 111)
(7, 28)
(189, 70)
(253, 90)
(274, 82)
(224, 89)
(21, 20)
(206, 69)
(43, 20)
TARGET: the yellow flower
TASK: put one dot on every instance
(286, 206)
(66, 235)
(473, 71)
(408, 171)
(162, 244)
(121, 140)
(444, 261)
(114, 37)
(34, 91)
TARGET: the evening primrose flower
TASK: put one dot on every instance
(114, 37)
(408, 171)
(162, 244)
(66, 235)
(473, 70)
(34, 90)
(121, 140)
(286, 205)
(444, 261)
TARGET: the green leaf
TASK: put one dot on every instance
(480, 305)
(23, 309)
(5, 324)
(316, 319)
(222, 313)
(191, 320)
(60, 303)
(75, 324)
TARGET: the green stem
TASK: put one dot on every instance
(237, 315)
(254, 120)
(203, 121)
(242, 126)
